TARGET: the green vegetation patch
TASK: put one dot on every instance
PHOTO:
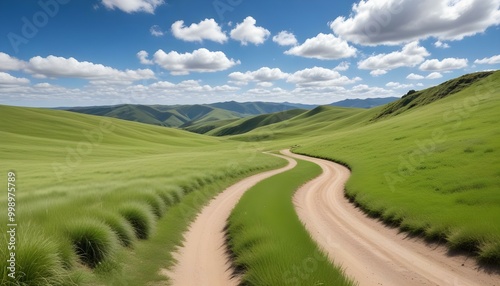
(433, 170)
(269, 243)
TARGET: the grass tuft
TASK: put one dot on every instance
(122, 228)
(38, 260)
(92, 240)
(141, 217)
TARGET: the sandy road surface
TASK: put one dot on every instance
(202, 260)
(370, 252)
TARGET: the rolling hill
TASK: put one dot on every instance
(428, 163)
(202, 118)
(96, 193)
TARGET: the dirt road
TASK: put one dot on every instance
(202, 260)
(370, 252)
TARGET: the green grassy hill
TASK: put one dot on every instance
(429, 164)
(257, 108)
(168, 116)
(247, 124)
(314, 123)
(432, 170)
(126, 190)
(415, 99)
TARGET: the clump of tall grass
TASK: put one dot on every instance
(141, 217)
(92, 240)
(37, 261)
(157, 204)
(119, 225)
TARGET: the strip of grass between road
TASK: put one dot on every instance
(269, 243)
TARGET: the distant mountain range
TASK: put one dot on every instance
(202, 118)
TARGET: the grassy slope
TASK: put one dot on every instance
(424, 97)
(315, 123)
(248, 124)
(205, 127)
(433, 170)
(268, 240)
(75, 169)
(174, 116)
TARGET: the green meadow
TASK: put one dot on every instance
(430, 166)
(102, 201)
(96, 194)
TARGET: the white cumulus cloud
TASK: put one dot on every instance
(411, 55)
(343, 66)
(323, 47)
(143, 58)
(434, 75)
(397, 85)
(10, 63)
(247, 32)
(285, 38)
(378, 72)
(207, 29)
(7, 79)
(486, 61)
(53, 66)
(391, 22)
(413, 76)
(156, 31)
(439, 44)
(318, 76)
(444, 65)
(262, 75)
(201, 60)
(131, 6)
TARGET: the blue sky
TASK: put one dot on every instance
(100, 52)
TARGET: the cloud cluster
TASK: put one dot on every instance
(411, 55)
(10, 63)
(247, 32)
(489, 61)
(156, 31)
(318, 76)
(393, 22)
(262, 75)
(7, 79)
(207, 29)
(433, 75)
(285, 38)
(201, 60)
(60, 67)
(53, 67)
(131, 6)
(323, 47)
(444, 65)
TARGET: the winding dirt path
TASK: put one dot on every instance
(202, 260)
(370, 252)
